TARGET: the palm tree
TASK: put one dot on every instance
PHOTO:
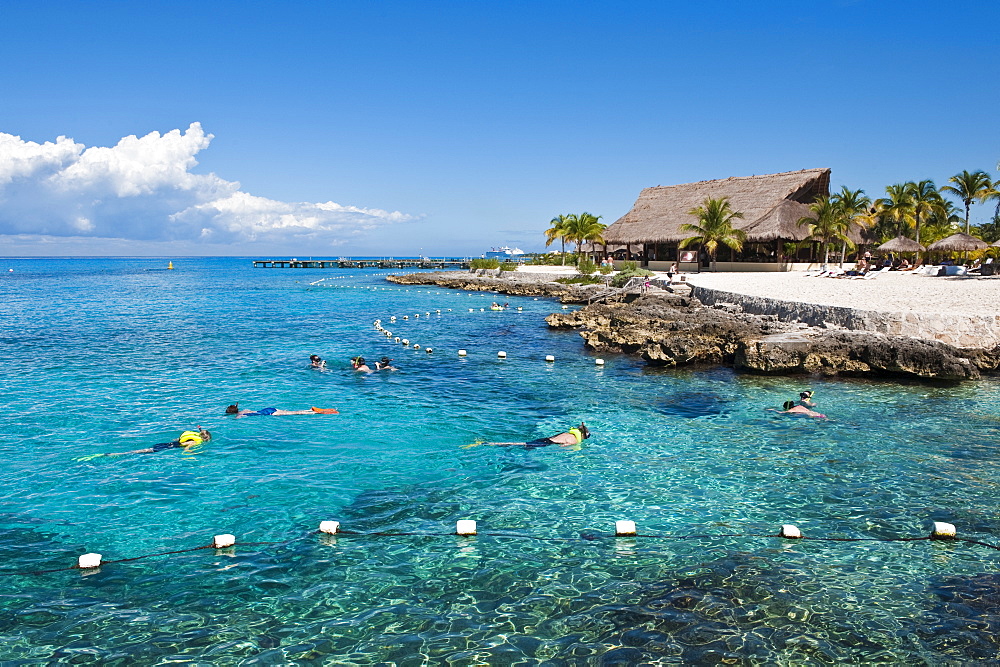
(968, 187)
(942, 222)
(826, 227)
(898, 207)
(584, 227)
(853, 209)
(558, 230)
(925, 200)
(715, 226)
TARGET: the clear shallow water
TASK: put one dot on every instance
(112, 355)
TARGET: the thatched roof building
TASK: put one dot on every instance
(772, 206)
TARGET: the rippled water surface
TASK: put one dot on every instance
(119, 354)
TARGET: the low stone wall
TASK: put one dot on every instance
(960, 330)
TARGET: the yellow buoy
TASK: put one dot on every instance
(170, 265)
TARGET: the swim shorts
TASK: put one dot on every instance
(159, 447)
(263, 412)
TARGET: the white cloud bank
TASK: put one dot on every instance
(142, 189)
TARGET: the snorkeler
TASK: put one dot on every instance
(358, 363)
(385, 365)
(805, 399)
(189, 441)
(275, 412)
(571, 438)
(793, 408)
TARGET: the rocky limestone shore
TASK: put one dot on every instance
(671, 329)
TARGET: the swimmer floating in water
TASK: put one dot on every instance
(358, 363)
(275, 412)
(792, 408)
(317, 362)
(805, 399)
(385, 365)
(571, 438)
(189, 441)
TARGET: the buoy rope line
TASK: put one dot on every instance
(397, 321)
(466, 529)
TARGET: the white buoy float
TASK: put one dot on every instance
(501, 354)
(429, 350)
(406, 317)
(519, 308)
(943, 531)
(471, 310)
(549, 357)
(599, 362)
(465, 527)
(88, 561)
(329, 527)
(790, 532)
(405, 342)
(462, 353)
(416, 346)
(223, 541)
(565, 307)
(624, 528)
(396, 339)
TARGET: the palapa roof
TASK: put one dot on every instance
(959, 243)
(901, 244)
(771, 204)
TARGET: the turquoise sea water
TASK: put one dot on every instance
(117, 354)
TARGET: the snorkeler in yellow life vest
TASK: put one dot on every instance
(189, 441)
(571, 439)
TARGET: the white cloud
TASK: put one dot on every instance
(143, 189)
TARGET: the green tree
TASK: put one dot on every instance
(827, 227)
(925, 201)
(584, 227)
(943, 221)
(558, 230)
(853, 209)
(897, 207)
(714, 226)
(970, 187)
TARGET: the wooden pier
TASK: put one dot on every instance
(425, 263)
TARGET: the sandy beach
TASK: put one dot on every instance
(891, 291)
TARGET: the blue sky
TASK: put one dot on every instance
(392, 128)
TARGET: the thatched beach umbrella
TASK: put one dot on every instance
(995, 244)
(958, 243)
(901, 244)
